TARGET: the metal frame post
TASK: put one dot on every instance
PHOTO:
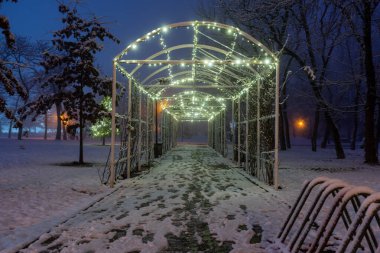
(163, 132)
(156, 121)
(277, 113)
(247, 132)
(113, 126)
(139, 142)
(147, 129)
(221, 132)
(239, 141)
(209, 133)
(258, 144)
(129, 130)
(174, 131)
(233, 128)
(224, 135)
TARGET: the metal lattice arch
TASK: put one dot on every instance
(196, 71)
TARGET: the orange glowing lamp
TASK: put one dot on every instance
(64, 118)
(163, 105)
(300, 124)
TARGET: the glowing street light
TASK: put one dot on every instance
(300, 124)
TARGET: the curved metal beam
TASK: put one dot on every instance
(195, 23)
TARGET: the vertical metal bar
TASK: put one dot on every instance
(277, 113)
(233, 129)
(247, 132)
(163, 129)
(224, 134)
(239, 132)
(156, 122)
(258, 162)
(147, 129)
(210, 135)
(140, 136)
(220, 132)
(208, 132)
(113, 125)
(154, 127)
(172, 133)
(128, 127)
(214, 132)
(175, 129)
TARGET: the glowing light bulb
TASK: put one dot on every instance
(300, 124)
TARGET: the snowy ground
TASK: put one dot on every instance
(192, 200)
(300, 163)
(36, 194)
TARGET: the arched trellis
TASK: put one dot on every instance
(221, 64)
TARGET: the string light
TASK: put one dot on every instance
(165, 29)
(194, 104)
(240, 71)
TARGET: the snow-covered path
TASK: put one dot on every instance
(192, 201)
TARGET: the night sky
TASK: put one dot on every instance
(127, 19)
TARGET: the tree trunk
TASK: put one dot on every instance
(10, 129)
(11, 121)
(329, 121)
(64, 133)
(59, 122)
(335, 134)
(370, 140)
(103, 141)
(81, 128)
(286, 124)
(326, 137)
(285, 120)
(46, 125)
(314, 136)
(281, 131)
(19, 134)
(356, 119)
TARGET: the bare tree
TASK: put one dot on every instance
(7, 79)
(315, 30)
(358, 16)
(24, 57)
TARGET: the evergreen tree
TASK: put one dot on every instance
(102, 128)
(73, 69)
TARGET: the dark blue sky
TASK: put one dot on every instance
(127, 19)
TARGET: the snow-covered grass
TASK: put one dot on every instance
(300, 163)
(192, 198)
(35, 193)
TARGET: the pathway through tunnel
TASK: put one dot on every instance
(193, 200)
(192, 132)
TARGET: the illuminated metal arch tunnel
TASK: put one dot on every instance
(197, 71)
